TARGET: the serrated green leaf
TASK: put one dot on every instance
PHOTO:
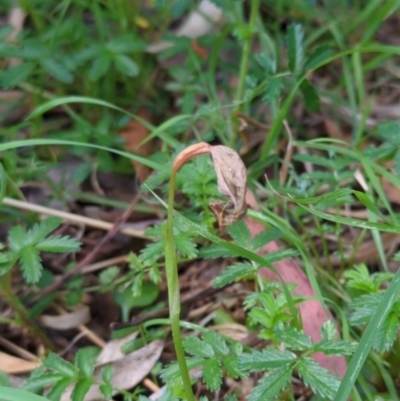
(81, 388)
(125, 65)
(272, 90)
(328, 330)
(58, 389)
(262, 316)
(266, 359)
(310, 96)
(281, 254)
(186, 246)
(295, 47)
(265, 237)
(58, 244)
(99, 67)
(271, 386)
(57, 70)
(317, 57)
(60, 365)
(363, 308)
(152, 252)
(107, 390)
(318, 378)
(16, 238)
(85, 360)
(293, 338)
(212, 374)
(231, 364)
(31, 264)
(196, 347)
(233, 273)
(239, 232)
(217, 342)
(40, 230)
(11, 77)
(388, 333)
(335, 347)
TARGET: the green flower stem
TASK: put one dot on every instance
(173, 289)
(5, 288)
(245, 59)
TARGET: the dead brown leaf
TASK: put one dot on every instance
(71, 320)
(134, 133)
(13, 365)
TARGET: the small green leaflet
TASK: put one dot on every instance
(318, 378)
(310, 96)
(266, 359)
(295, 48)
(294, 339)
(318, 57)
(212, 374)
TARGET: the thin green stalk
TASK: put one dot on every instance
(173, 289)
(245, 59)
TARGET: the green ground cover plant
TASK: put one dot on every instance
(301, 95)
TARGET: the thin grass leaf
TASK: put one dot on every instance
(3, 183)
(319, 56)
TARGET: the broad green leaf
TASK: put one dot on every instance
(40, 230)
(85, 360)
(272, 90)
(310, 96)
(233, 273)
(126, 65)
(388, 333)
(99, 67)
(107, 390)
(217, 342)
(58, 389)
(31, 264)
(293, 338)
(60, 365)
(266, 359)
(108, 275)
(11, 77)
(319, 379)
(81, 388)
(16, 238)
(58, 244)
(319, 56)
(212, 374)
(57, 70)
(196, 347)
(295, 44)
(271, 386)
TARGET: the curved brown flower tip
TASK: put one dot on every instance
(191, 151)
(232, 182)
